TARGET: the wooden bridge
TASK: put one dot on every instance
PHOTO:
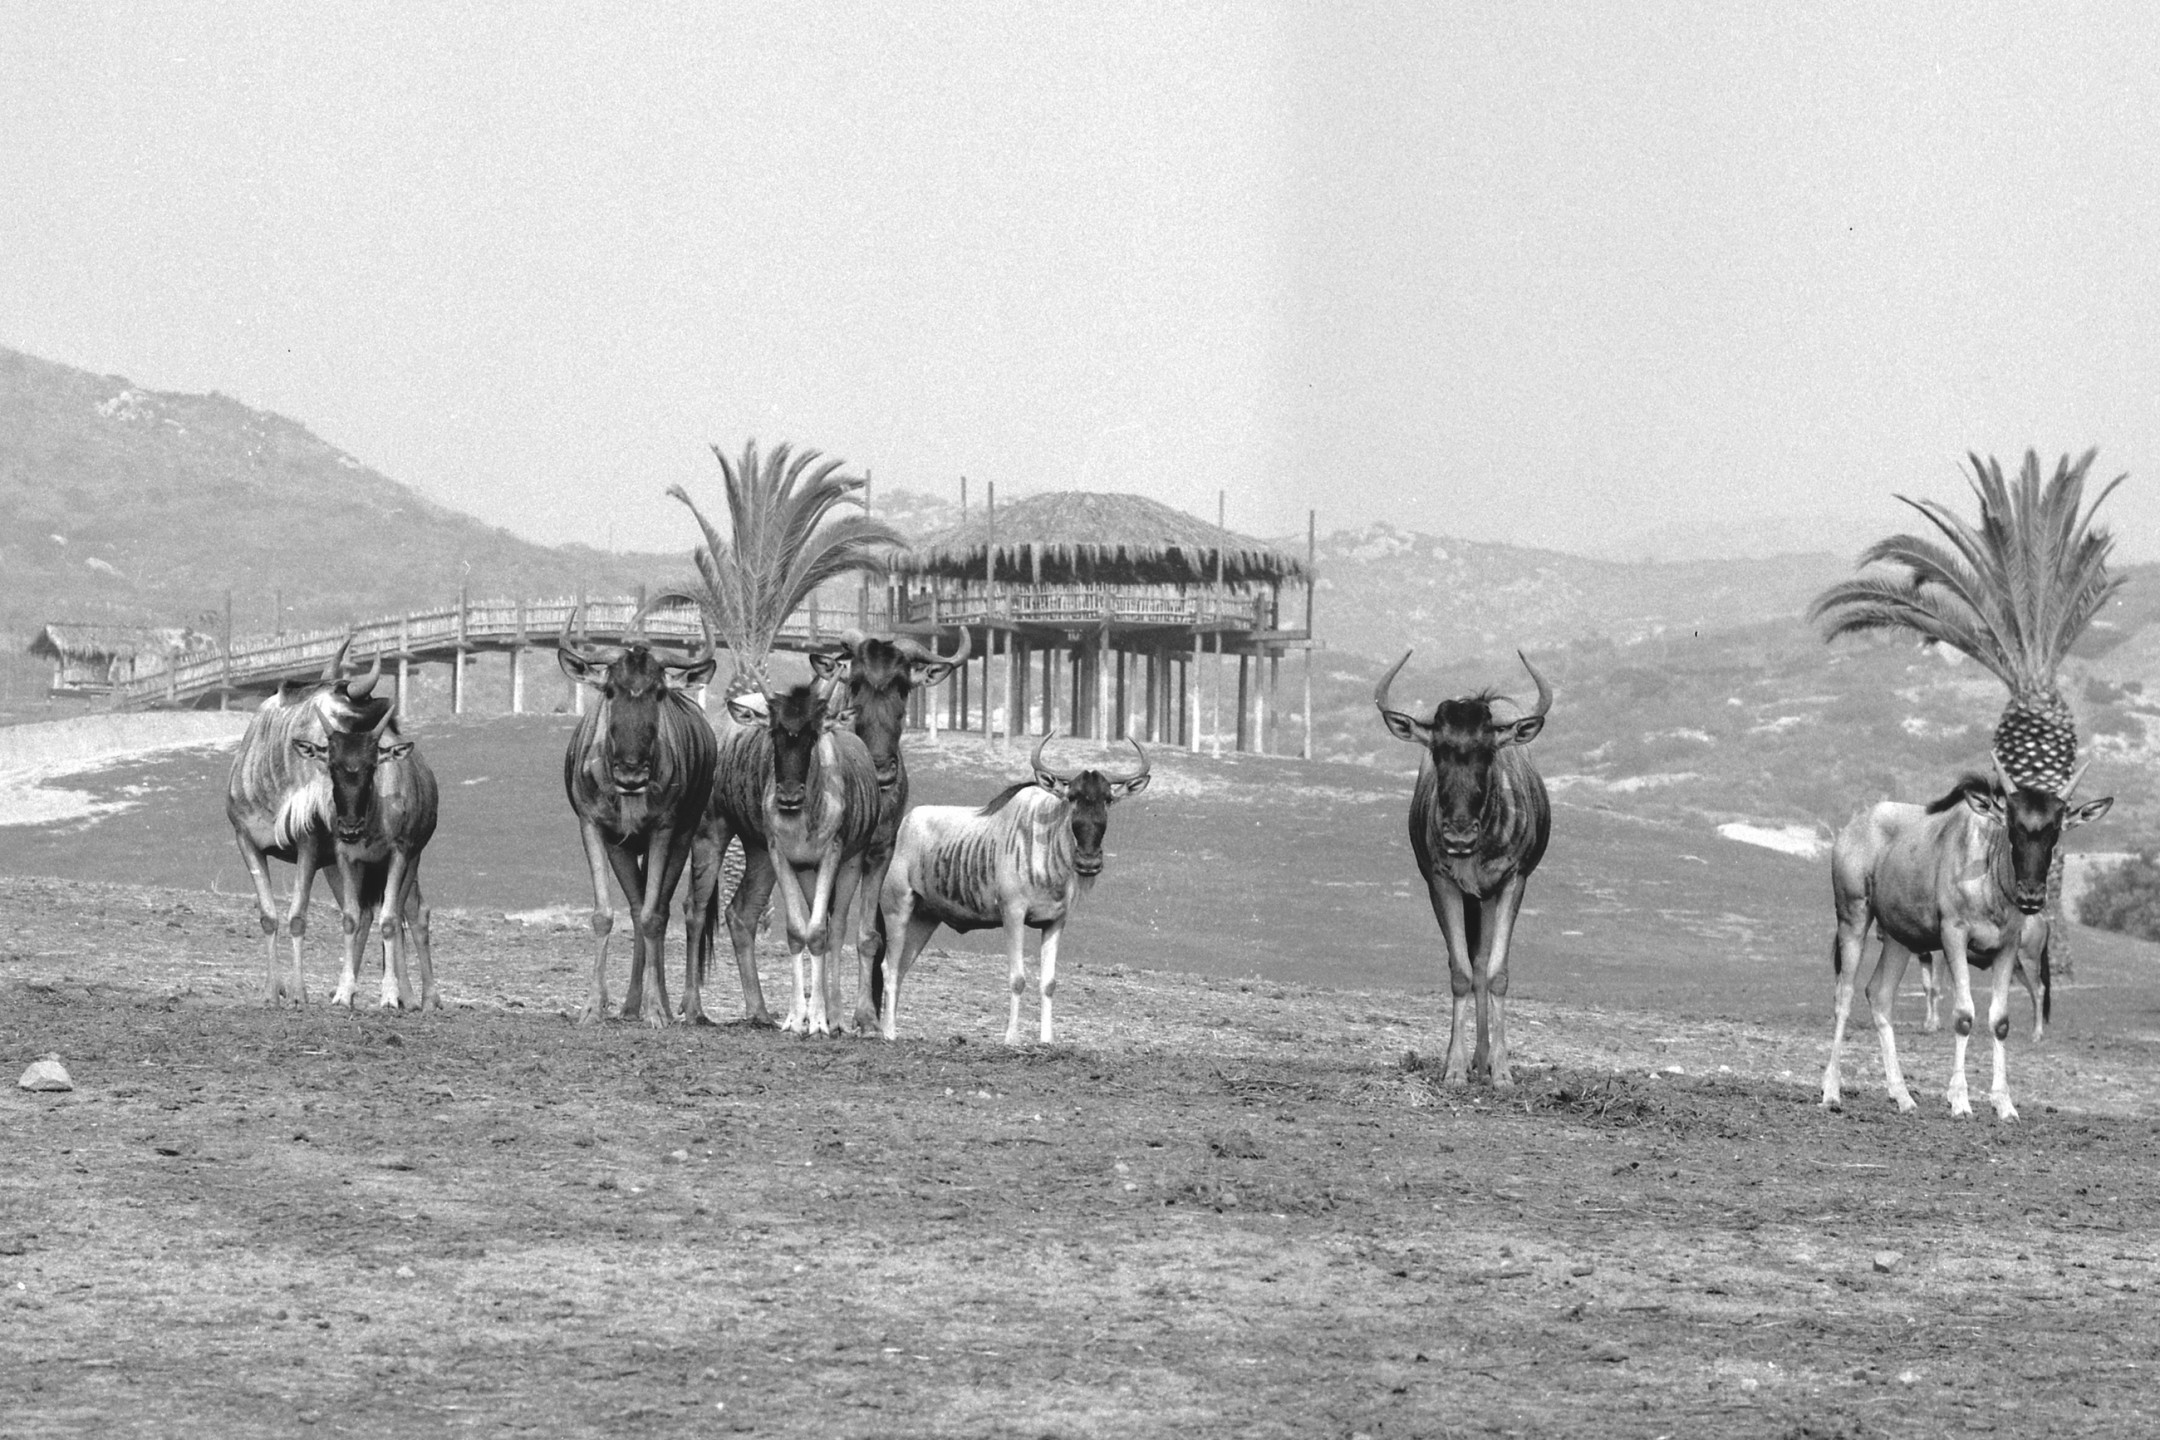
(1093, 627)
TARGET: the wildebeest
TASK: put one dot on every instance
(1960, 876)
(1479, 823)
(1021, 860)
(639, 773)
(2035, 947)
(382, 814)
(879, 678)
(280, 805)
(799, 791)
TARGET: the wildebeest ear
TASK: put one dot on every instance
(1119, 789)
(826, 665)
(584, 672)
(934, 673)
(2090, 810)
(1984, 803)
(1522, 731)
(747, 709)
(841, 719)
(1057, 785)
(308, 747)
(397, 750)
(701, 672)
(1402, 727)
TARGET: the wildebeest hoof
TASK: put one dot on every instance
(592, 1014)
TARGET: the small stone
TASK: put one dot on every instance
(404, 1272)
(46, 1074)
(1888, 1260)
(678, 1157)
(1673, 1070)
(1608, 1352)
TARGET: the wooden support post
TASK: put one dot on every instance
(1193, 684)
(1102, 685)
(1245, 681)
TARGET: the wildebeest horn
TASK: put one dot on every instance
(1137, 774)
(1544, 691)
(337, 661)
(1380, 691)
(573, 640)
(363, 687)
(707, 648)
(2002, 774)
(2072, 783)
(1035, 761)
(921, 654)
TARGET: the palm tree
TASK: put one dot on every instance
(783, 542)
(2014, 593)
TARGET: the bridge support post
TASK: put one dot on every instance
(404, 686)
(1102, 683)
(1244, 701)
(517, 680)
(1192, 685)
(457, 682)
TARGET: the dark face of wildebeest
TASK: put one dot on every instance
(795, 720)
(881, 676)
(2033, 820)
(633, 683)
(350, 752)
(1091, 793)
(1464, 740)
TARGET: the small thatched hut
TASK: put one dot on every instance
(88, 660)
(1119, 596)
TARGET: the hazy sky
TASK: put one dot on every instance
(1556, 274)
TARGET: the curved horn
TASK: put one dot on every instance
(1380, 691)
(2002, 773)
(572, 639)
(1139, 774)
(1035, 761)
(1544, 691)
(922, 654)
(337, 661)
(363, 687)
(2075, 775)
(708, 647)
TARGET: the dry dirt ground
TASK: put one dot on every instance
(1218, 1207)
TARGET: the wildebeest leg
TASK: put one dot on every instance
(869, 942)
(752, 893)
(1497, 927)
(397, 987)
(797, 909)
(1447, 904)
(665, 855)
(346, 884)
(821, 932)
(915, 932)
(846, 880)
(1882, 997)
(1999, 1034)
(1961, 1017)
(413, 912)
(1046, 983)
(630, 872)
(1015, 966)
(603, 921)
(1931, 991)
(700, 901)
(1852, 928)
(258, 868)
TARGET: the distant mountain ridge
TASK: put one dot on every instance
(119, 503)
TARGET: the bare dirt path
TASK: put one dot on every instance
(1223, 1208)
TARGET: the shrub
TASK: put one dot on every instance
(2124, 897)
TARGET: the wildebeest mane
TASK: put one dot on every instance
(1969, 783)
(1004, 797)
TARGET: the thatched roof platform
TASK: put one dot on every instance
(67, 642)
(1079, 537)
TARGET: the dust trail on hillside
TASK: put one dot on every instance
(31, 756)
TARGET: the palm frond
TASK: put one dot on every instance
(2014, 592)
(784, 541)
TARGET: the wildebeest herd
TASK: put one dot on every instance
(810, 783)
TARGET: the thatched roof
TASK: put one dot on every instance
(1079, 537)
(118, 642)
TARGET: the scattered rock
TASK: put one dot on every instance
(1888, 1260)
(1235, 1145)
(46, 1074)
(1608, 1352)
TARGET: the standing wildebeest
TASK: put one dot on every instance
(1961, 876)
(280, 806)
(881, 675)
(383, 804)
(1479, 822)
(1021, 860)
(800, 792)
(639, 772)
